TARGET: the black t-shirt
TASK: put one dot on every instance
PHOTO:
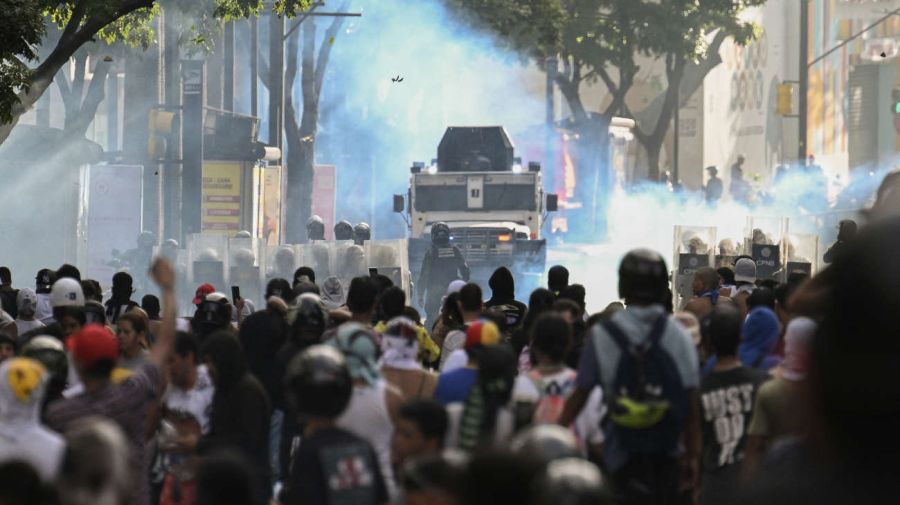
(727, 400)
(334, 467)
(513, 312)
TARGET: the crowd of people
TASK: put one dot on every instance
(755, 391)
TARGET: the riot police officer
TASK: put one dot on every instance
(343, 231)
(361, 233)
(443, 264)
(315, 229)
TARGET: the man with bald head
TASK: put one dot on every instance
(706, 293)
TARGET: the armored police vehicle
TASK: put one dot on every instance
(494, 206)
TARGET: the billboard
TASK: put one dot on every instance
(220, 205)
(113, 215)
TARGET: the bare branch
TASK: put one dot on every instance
(325, 49)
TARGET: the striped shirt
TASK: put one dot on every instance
(128, 404)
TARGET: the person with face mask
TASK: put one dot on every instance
(443, 264)
(26, 303)
(23, 383)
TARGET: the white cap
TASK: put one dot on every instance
(216, 297)
(66, 292)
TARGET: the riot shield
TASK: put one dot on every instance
(728, 251)
(802, 253)
(320, 256)
(764, 240)
(391, 258)
(246, 259)
(348, 260)
(281, 262)
(693, 249)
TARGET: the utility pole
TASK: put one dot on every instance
(804, 82)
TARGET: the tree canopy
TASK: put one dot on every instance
(27, 68)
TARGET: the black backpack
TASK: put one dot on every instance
(648, 403)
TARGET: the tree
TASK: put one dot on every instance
(23, 30)
(681, 40)
(593, 41)
(603, 40)
(300, 133)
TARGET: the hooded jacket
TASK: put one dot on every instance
(333, 293)
(23, 383)
(759, 336)
(503, 299)
(240, 409)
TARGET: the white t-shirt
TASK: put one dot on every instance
(454, 341)
(196, 401)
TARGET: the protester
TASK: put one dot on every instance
(150, 306)
(95, 351)
(642, 442)
(26, 309)
(67, 301)
(392, 304)
(760, 331)
(503, 299)
(120, 302)
(745, 282)
(557, 279)
(434, 480)
(187, 404)
(43, 283)
(846, 232)
(97, 468)
(132, 334)
(419, 433)
(400, 364)
(450, 319)
(362, 299)
(471, 305)
(332, 293)
(540, 301)
(241, 411)
(550, 382)
(706, 293)
(375, 404)
(330, 465)
(727, 396)
(23, 384)
(456, 384)
(8, 294)
(94, 310)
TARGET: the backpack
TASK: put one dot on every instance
(553, 397)
(648, 403)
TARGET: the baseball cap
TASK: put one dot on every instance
(66, 292)
(481, 333)
(92, 344)
(797, 337)
(26, 300)
(745, 270)
(202, 291)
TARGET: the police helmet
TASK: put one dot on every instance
(318, 382)
(362, 232)
(308, 315)
(171, 242)
(546, 443)
(440, 233)
(343, 231)
(643, 277)
(315, 228)
(243, 234)
(571, 481)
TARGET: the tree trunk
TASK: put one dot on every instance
(653, 149)
(78, 32)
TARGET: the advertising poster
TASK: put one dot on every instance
(271, 204)
(221, 197)
(113, 215)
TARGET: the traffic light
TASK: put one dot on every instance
(785, 99)
(895, 102)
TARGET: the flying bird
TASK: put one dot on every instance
(397, 79)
